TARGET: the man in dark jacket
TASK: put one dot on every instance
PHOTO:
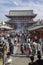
(32, 61)
(39, 61)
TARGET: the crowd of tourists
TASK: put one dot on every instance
(30, 49)
(6, 44)
(39, 61)
(6, 49)
(28, 43)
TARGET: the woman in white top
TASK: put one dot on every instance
(8, 60)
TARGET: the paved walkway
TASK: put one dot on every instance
(21, 60)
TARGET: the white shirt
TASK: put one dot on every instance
(39, 47)
(8, 60)
(34, 43)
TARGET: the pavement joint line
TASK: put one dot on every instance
(21, 55)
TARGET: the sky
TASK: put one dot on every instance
(7, 5)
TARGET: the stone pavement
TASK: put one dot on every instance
(21, 60)
(1, 62)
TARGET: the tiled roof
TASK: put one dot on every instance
(21, 13)
(35, 27)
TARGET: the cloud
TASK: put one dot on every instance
(16, 2)
(6, 5)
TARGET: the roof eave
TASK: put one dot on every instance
(10, 16)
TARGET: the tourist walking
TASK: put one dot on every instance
(8, 59)
(33, 50)
(39, 61)
(11, 48)
(21, 48)
(32, 61)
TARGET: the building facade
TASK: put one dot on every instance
(21, 19)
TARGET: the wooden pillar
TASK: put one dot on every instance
(41, 34)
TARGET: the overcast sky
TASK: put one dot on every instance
(6, 5)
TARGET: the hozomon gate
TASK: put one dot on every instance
(21, 19)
